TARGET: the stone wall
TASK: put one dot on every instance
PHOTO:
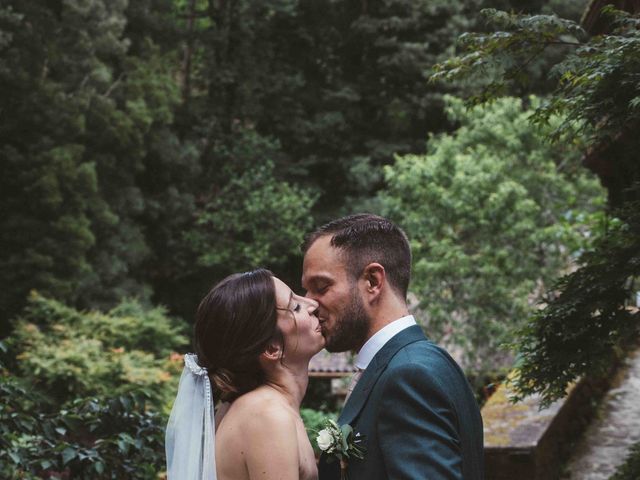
(525, 442)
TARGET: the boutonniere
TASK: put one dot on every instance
(342, 443)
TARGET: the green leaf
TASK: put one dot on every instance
(346, 430)
(68, 454)
(126, 402)
(15, 457)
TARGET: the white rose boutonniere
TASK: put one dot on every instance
(342, 443)
(324, 440)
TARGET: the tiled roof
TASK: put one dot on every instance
(338, 363)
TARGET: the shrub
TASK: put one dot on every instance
(96, 438)
(71, 354)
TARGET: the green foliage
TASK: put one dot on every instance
(81, 110)
(252, 217)
(118, 140)
(630, 470)
(586, 321)
(569, 9)
(71, 354)
(494, 213)
(337, 84)
(149, 148)
(581, 329)
(320, 396)
(504, 55)
(597, 80)
(88, 439)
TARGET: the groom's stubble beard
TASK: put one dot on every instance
(350, 326)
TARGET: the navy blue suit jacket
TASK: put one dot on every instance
(417, 413)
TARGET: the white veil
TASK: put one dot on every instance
(190, 435)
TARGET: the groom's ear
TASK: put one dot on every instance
(374, 277)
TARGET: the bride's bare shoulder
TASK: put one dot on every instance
(253, 425)
(262, 408)
(257, 421)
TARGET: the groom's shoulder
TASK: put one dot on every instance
(426, 367)
(426, 356)
(423, 351)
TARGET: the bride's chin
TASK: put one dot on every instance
(318, 346)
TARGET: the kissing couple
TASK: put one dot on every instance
(410, 405)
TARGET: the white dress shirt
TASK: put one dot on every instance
(380, 338)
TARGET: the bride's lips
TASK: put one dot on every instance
(322, 328)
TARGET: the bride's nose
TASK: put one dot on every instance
(313, 305)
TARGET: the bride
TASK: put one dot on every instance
(254, 338)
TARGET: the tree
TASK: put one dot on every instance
(494, 213)
(586, 319)
(75, 118)
(341, 86)
(118, 130)
(268, 217)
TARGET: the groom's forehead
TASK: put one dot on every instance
(325, 276)
(321, 255)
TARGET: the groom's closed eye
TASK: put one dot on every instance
(317, 289)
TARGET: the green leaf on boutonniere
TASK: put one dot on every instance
(347, 431)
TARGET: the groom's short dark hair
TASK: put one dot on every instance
(366, 238)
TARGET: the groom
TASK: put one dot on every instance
(411, 401)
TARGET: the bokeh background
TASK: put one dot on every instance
(149, 148)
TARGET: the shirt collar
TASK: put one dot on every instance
(380, 338)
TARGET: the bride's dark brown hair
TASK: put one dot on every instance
(234, 323)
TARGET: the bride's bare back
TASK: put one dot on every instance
(262, 437)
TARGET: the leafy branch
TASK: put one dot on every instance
(584, 327)
(598, 75)
(586, 319)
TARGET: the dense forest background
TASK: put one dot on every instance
(149, 148)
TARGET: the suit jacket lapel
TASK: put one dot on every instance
(378, 364)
